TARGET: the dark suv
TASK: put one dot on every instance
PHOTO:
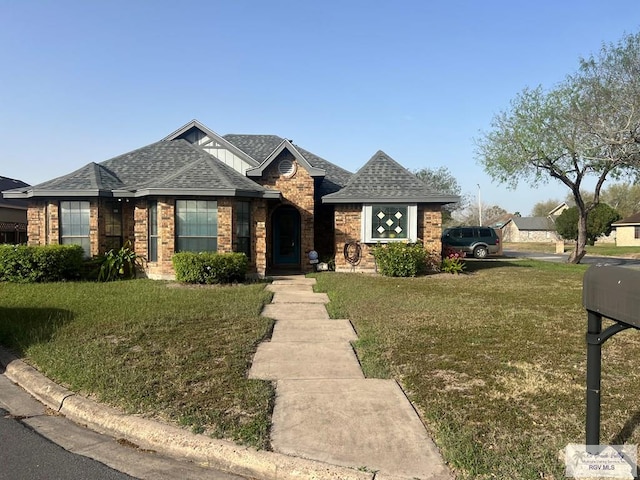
(478, 241)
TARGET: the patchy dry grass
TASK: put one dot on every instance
(493, 360)
(180, 354)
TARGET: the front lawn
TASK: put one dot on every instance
(493, 360)
(176, 353)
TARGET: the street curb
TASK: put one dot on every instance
(169, 440)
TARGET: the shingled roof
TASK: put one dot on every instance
(382, 179)
(631, 220)
(534, 223)
(260, 147)
(7, 183)
(165, 167)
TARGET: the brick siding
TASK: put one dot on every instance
(348, 218)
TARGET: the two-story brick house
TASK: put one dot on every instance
(262, 195)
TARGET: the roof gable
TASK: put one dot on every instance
(285, 145)
(382, 179)
(197, 133)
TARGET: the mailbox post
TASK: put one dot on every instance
(613, 293)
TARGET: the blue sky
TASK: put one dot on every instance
(84, 81)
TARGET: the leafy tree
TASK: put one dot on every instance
(586, 127)
(442, 181)
(598, 223)
(623, 197)
(542, 209)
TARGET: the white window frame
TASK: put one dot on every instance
(367, 222)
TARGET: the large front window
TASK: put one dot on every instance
(196, 225)
(389, 222)
(74, 225)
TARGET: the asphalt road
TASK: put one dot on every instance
(26, 454)
(35, 444)
(587, 260)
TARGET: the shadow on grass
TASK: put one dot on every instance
(22, 327)
(473, 265)
(627, 430)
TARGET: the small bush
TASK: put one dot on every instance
(452, 261)
(402, 259)
(120, 264)
(41, 263)
(208, 268)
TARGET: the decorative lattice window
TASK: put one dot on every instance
(389, 223)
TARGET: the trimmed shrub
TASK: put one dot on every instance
(399, 259)
(208, 268)
(41, 263)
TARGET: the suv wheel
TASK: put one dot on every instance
(480, 252)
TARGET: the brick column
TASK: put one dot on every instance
(36, 223)
(140, 240)
(259, 236)
(225, 225)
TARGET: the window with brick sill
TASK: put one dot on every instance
(386, 223)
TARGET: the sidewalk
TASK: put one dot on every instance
(325, 409)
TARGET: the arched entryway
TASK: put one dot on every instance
(286, 238)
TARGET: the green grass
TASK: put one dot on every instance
(494, 361)
(177, 353)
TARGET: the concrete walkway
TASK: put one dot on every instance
(325, 409)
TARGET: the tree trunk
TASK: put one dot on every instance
(579, 250)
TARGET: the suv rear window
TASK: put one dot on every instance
(467, 233)
(485, 232)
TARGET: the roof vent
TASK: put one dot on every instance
(287, 168)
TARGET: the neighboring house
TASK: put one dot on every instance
(262, 195)
(628, 231)
(529, 229)
(516, 229)
(13, 214)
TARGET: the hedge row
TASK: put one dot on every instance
(208, 268)
(46, 263)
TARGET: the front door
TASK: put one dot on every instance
(286, 237)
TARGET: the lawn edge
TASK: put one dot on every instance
(169, 440)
